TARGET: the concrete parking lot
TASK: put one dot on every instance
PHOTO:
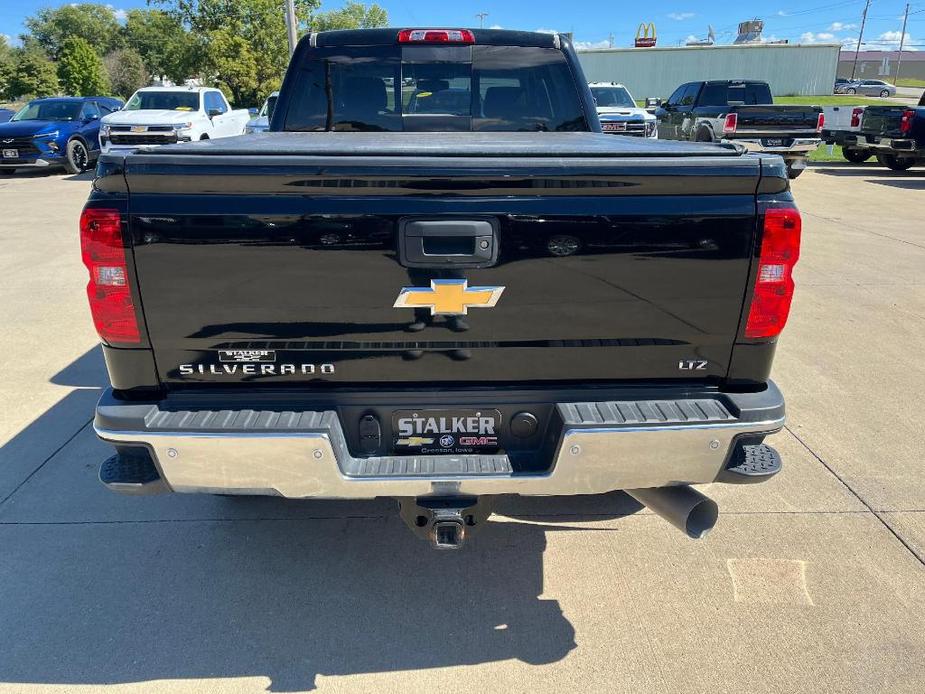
(813, 582)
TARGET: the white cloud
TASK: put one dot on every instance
(119, 14)
(889, 41)
(841, 26)
(691, 37)
(496, 26)
(680, 16)
(588, 45)
(821, 37)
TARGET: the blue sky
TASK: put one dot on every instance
(594, 21)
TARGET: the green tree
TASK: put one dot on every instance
(7, 63)
(126, 71)
(165, 45)
(96, 23)
(242, 44)
(80, 69)
(33, 75)
(353, 15)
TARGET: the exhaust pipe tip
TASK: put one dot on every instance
(684, 507)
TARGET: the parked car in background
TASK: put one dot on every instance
(55, 132)
(165, 115)
(842, 125)
(868, 88)
(744, 112)
(261, 123)
(6, 114)
(895, 134)
(618, 112)
(839, 81)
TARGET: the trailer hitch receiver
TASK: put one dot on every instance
(445, 522)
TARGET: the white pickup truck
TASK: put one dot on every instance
(842, 126)
(164, 115)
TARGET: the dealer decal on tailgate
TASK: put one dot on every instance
(446, 431)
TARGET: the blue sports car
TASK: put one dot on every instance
(56, 131)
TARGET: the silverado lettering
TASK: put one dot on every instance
(441, 162)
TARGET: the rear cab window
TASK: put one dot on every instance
(736, 93)
(435, 88)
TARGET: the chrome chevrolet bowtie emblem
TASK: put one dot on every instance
(448, 297)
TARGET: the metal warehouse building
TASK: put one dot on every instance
(788, 68)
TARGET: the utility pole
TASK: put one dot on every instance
(860, 36)
(902, 40)
(481, 16)
(610, 39)
(292, 26)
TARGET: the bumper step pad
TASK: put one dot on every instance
(750, 464)
(132, 474)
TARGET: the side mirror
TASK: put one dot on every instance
(252, 111)
(212, 112)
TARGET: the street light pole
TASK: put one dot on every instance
(481, 16)
(902, 41)
(860, 36)
(291, 26)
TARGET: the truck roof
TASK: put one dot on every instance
(388, 37)
(178, 89)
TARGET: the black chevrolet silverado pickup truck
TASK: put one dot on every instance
(741, 111)
(487, 296)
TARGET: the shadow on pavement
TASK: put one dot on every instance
(117, 601)
(877, 171)
(914, 184)
(28, 450)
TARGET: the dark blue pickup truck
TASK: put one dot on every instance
(55, 132)
(440, 304)
(895, 134)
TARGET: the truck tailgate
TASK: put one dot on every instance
(883, 121)
(777, 119)
(280, 259)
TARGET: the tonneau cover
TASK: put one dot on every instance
(462, 144)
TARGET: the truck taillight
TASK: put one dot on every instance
(729, 125)
(856, 116)
(103, 252)
(820, 122)
(905, 123)
(435, 36)
(780, 249)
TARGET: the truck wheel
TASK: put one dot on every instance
(794, 173)
(891, 161)
(703, 135)
(884, 93)
(856, 156)
(78, 158)
(852, 90)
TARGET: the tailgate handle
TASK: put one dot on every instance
(435, 243)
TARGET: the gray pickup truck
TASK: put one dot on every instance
(741, 111)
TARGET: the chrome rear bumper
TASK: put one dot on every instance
(599, 447)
